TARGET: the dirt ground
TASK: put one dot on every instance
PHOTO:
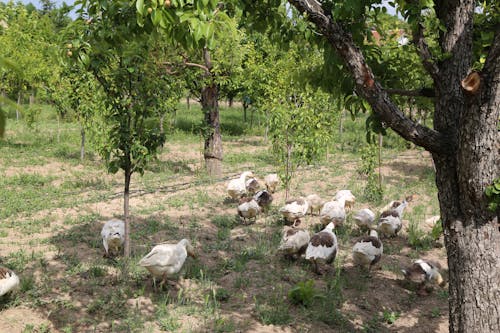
(382, 302)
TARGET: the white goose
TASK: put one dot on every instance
(315, 203)
(8, 280)
(272, 180)
(294, 209)
(237, 187)
(248, 209)
(167, 259)
(368, 250)
(349, 198)
(364, 218)
(113, 236)
(333, 211)
(390, 221)
(294, 241)
(323, 246)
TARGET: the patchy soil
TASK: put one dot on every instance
(237, 283)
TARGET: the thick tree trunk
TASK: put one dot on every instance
(213, 139)
(126, 195)
(465, 148)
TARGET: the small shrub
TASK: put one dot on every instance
(303, 293)
(417, 238)
(493, 194)
(390, 316)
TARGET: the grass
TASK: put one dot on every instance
(54, 205)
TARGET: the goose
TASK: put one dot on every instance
(315, 202)
(294, 209)
(294, 241)
(368, 250)
(167, 259)
(322, 245)
(422, 271)
(248, 209)
(237, 187)
(395, 203)
(390, 221)
(113, 236)
(333, 211)
(264, 198)
(8, 280)
(252, 185)
(272, 180)
(349, 198)
(364, 218)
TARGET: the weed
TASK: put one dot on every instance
(435, 313)
(417, 238)
(303, 293)
(272, 310)
(390, 316)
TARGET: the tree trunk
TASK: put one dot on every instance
(19, 99)
(188, 102)
(213, 139)
(464, 145)
(126, 194)
(32, 99)
(82, 144)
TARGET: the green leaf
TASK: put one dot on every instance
(140, 6)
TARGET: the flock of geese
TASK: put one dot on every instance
(165, 260)
(322, 247)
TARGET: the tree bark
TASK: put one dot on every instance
(82, 144)
(126, 195)
(210, 106)
(465, 149)
(19, 99)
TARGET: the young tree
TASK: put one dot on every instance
(464, 142)
(201, 28)
(117, 52)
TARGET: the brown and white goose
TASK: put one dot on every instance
(8, 280)
(294, 209)
(422, 271)
(322, 246)
(364, 218)
(248, 209)
(333, 211)
(252, 185)
(368, 250)
(390, 221)
(294, 241)
(264, 198)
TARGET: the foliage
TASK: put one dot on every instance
(437, 230)
(117, 54)
(493, 193)
(373, 190)
(417, 238)
(303, 293)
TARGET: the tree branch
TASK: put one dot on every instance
(422, 92)
(366, 86)
(191, 64)
(425, 53)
